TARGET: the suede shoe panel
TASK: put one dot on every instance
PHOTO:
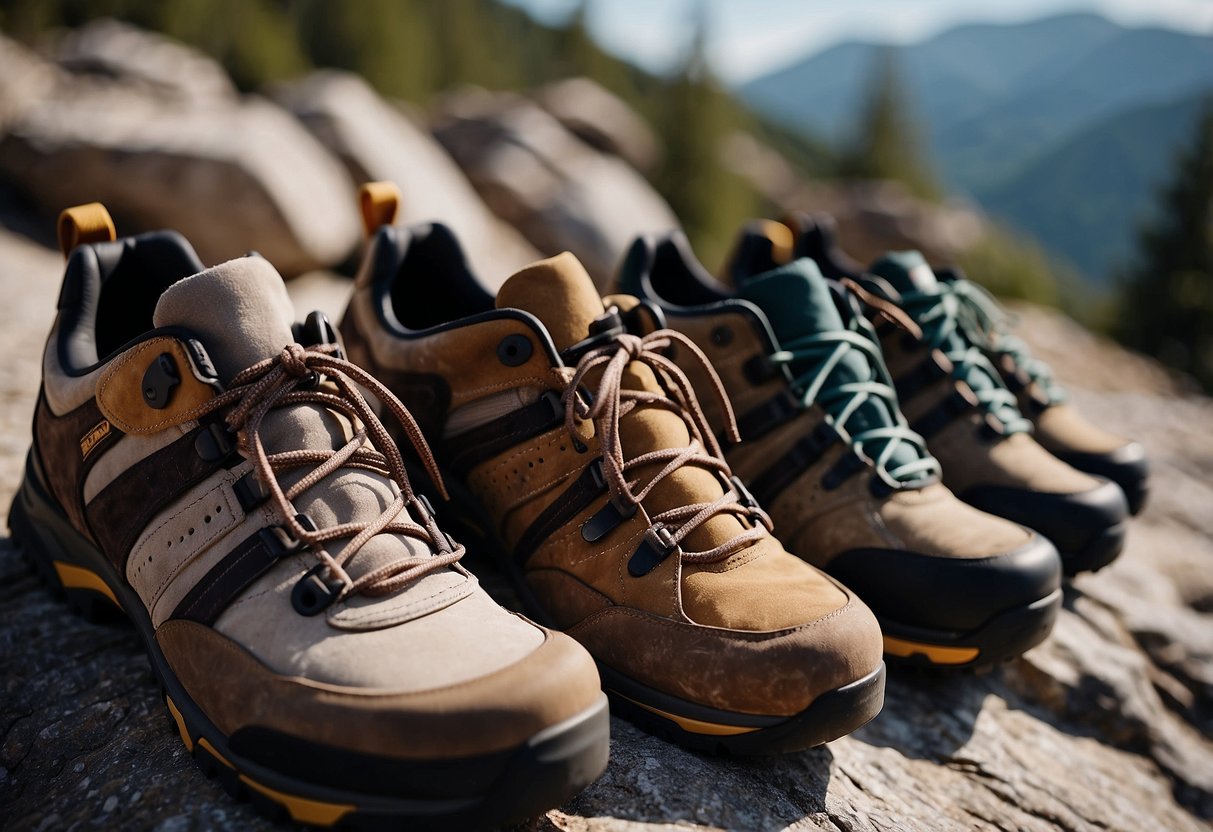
(1015, 461)
(1061, 429)
(737, 593)
(491, 712)
(779, 672)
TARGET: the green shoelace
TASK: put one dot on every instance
(986, 322)
(955, 318)
(842, 401)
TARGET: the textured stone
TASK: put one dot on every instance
(377, 141)
(558, 191)
(1106, 726)
(233, 176)
(601, 119)
(143, 60)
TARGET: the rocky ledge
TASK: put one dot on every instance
(1106, 726)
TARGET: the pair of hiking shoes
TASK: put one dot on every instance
(249, 497)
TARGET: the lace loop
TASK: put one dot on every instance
(988, 324)
(956, 318)
(611, 402)
(824, 352)
(289, 379)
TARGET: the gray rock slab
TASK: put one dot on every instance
(1106, 726)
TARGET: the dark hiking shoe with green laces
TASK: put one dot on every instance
(955, 397)
(850, 486)
(1057, 425)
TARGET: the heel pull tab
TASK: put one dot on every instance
(89, 223)
(380, 205)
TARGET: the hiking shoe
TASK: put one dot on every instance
(850, 487)
(1057, 425)
(211, 470)
(580, 456)
(955, 397)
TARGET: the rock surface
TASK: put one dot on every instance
(377, 141)
(873, 217)
(232, 174)
(558, 191)
(1106, 726)
(601, 119)
(144, 60)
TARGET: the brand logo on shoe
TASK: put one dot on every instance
(94, 438)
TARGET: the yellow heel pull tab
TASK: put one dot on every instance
(380, 203)
(89, 223)
(781, 238)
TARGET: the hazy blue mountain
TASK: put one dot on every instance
(952, 76)
(1137, 67)
(1059, 124)
(1086, 198)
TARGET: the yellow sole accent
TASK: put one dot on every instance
(203, 742)
(75, 577)
(185, 735)
(934, 652)
(693, 726)
(315, 812)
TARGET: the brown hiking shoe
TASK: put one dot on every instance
(231, 491)
(583, 459)
(850, 487)
(955, 397)
(1057, 425)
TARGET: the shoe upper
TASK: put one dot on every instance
(588, 455)
(825, 446)
(954, 396)
(223, 459)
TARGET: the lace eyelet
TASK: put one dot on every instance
(312, 594)
(514, 350)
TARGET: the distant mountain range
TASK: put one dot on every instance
(1062, 127)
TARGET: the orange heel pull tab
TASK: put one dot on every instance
(781, 238)
(89, 223)
(380, 203)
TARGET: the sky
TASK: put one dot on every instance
(747, 38)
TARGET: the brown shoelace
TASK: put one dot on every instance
(293, 378)
(611, 402)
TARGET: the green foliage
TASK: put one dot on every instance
(1167, 306)
(886, 146)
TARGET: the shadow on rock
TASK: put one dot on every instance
(652, 781)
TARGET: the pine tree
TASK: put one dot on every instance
(1167, 307)
(886, 146)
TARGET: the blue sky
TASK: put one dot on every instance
(749, 37)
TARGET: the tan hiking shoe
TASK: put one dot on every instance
(582, 456)
(850, 487)
(956, 398)
(231, 491)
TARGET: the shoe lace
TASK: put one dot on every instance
(822, 353)
(985, 322)
(611, 402)
(950, 316)
(292, 378)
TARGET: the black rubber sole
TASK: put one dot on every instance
(542, 773)
(1005, 636)
(1098, 553)
(831, 715)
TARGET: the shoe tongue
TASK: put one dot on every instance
(798, 302)
(559, 292)
(906, 271)
(795, 298)
(241, 312)
(239, 309)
